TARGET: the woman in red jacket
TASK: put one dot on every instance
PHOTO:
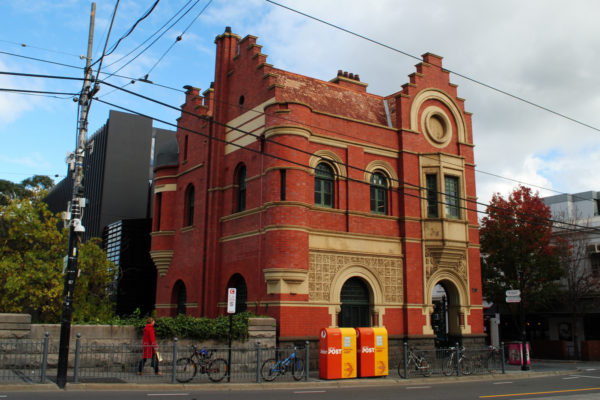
(150, 348)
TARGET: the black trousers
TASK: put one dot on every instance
(153, 363)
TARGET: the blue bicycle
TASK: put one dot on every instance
(272, 368)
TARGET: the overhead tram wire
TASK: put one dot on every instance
(103, 73)
(143, 17)
(410, 185)
(283, 118)
(329, 130)
(542, 222)
(478, 82)
(180, 37)
(153, 42)
(157, 31)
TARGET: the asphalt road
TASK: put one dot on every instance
(578, 385)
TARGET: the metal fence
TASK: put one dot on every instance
(35, 361)
(452, 361)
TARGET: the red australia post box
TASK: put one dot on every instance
(337, 353)
(372, 349)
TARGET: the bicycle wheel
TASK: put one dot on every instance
(410, 369)
(269, 370)
(493, 362)
(466, 366)
(448, 367)
(425, 367)
(185, 370)
(217, 369)
(298, 368)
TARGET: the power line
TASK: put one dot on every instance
(531, 103)
(154, 41)
(114, 47)
(411, 185)
(25, 45)
(326, 129)
(25, 91)
(180, 37)
(40, 59)
(157, 31)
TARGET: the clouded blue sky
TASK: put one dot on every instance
(539, 50)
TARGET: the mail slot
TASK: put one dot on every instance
(372, 349)
(337, 353)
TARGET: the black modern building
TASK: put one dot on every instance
(118, 172)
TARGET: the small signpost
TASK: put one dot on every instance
(513, 296)
(231, 293)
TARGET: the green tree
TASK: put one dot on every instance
(93, 301)
(516, 241)
(32, 251)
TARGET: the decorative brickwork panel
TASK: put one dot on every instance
(324, 267)
(444, 258)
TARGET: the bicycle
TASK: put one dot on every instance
(464, 363)
(187, 367)
(415, 364)
(494, 359)
(272, 368)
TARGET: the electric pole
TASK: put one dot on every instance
(77, 203)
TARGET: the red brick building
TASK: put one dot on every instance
(324, 205)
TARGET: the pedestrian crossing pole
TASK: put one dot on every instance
(77, 203)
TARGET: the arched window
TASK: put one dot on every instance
(179, 297)
(238, 282)
(324, 193)
(241, 188)
(379, 193)
(355, 308)
(188, 217)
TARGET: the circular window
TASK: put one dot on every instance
(436, 126)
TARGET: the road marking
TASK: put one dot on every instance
(167, 394)
(586, 376)
(536, 393)
(503, 383)
(570, 377)
(309, 391)
(418, 387)
(591, 369)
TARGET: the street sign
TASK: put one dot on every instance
(231, 300)
(513, 293)
(513, 299)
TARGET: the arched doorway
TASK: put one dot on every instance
(179, 298)
(238, 282)
(356, 305)
(446, 319)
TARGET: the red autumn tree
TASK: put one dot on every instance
(518, 250)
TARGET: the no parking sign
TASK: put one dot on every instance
(231, 300)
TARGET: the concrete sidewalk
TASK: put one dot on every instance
(538, 368)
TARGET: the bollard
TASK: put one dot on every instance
(502, 356)
(76, 363)
(44, 358)
(457, 355)
(307, 359)
(405, 345)
(258, 360)
(174, 370)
